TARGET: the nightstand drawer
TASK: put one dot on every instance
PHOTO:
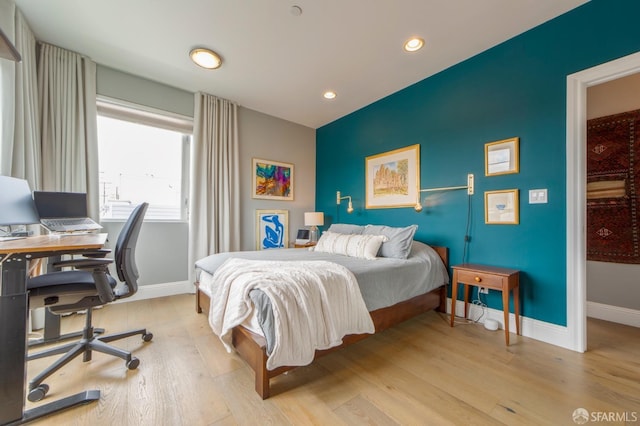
(480, 279)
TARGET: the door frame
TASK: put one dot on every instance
(576, 187)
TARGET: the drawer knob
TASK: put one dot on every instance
(478, 279)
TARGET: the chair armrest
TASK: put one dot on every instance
(95, 254)
(99, 269)
(84, 263)
(105, 292)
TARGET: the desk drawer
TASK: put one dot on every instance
(480, 279)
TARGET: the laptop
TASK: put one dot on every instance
(303, 237)
(64, 211)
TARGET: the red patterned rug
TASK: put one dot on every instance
(612, 180)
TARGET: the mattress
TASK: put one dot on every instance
(383, 282)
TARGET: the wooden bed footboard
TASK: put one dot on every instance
(252, 347)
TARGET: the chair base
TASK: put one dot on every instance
(52, 331)
(44, 341)
(90, 342)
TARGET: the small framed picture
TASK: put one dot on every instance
(272, 180)
(501, 207)
(272, 229)
(501, 157)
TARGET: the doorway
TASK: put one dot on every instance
(576, 178)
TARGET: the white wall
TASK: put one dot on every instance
(608, 283)
(162, 254)
(266, 137)
(119, 85)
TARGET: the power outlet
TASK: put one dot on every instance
(483, 290)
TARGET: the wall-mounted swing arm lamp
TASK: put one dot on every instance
(339, 198)
(468, 187)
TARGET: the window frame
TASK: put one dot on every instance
(149, 116)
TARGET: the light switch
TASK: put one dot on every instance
(538, 196)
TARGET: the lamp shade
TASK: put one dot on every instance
(313, 219)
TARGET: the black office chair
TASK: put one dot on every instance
(89, 285)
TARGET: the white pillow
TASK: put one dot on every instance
(362, 246)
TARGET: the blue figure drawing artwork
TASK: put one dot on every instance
(273, 231)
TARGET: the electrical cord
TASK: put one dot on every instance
(467, 238)
(465, 321)
(478, 302)
(466, 231)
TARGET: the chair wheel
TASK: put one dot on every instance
(147, 337)
(38, 393)
(133, 363)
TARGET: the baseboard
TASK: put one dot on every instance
(545, 332)
(614, 314)
(152, 291)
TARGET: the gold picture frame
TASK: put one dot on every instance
(502, 157)
(272, 229)
(393, 178)
(501, 207)
(271, 180)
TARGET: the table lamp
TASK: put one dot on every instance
(313, 220)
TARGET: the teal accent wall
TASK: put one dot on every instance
(517, 88)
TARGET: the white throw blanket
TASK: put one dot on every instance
(315, 304)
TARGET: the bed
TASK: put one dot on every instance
(388, 299)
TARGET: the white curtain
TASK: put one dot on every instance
(20, 148)
(67, 93)
(26, 153)
(7, 94)
(214, 223)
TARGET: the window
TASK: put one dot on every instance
(142, 158)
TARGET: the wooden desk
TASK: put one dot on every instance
(14, 259)
(492, 277)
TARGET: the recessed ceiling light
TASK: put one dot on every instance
(413, 44)
(206, 58)
(329, 94)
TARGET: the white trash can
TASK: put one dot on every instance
(37, 319)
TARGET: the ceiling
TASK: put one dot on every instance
(278, 63)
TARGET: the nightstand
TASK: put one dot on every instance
(304, 245)
(491, 277)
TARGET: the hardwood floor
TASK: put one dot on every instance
(420, 372)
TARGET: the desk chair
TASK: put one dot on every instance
(89, 285)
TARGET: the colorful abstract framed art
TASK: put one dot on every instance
(393, 178)
(272, 180)
(272, 229)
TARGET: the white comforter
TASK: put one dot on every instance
(315, 304)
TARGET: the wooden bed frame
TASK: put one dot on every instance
(252, 348)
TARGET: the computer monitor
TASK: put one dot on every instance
(55, 205)
(16, 203)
